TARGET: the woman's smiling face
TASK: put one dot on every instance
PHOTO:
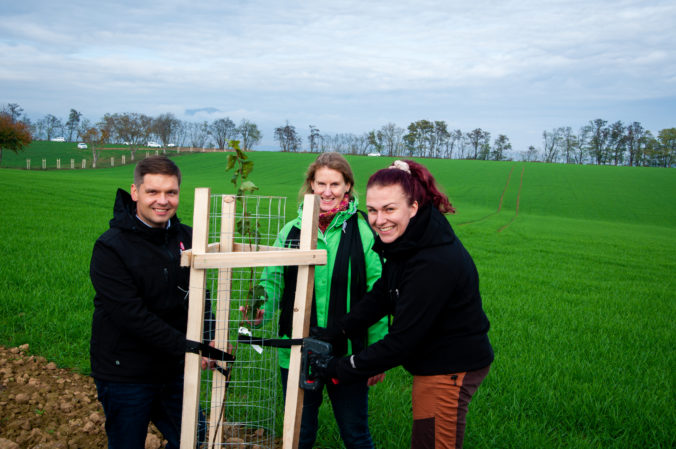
(388, 211)
(330, 185)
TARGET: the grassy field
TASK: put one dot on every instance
(578, 284)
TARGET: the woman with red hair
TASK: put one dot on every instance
(430, 289)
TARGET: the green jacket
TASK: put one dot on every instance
(273, 277)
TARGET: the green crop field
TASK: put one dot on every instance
(578, 282)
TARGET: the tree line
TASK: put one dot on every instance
(597, 142)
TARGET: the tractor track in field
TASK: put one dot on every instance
(502, 197)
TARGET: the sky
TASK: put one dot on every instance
(516, 68)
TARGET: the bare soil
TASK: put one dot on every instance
(43, 406)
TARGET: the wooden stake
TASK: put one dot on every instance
(191, 387)
(217, 415)
(301, 323)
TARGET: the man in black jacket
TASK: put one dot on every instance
(141, 308)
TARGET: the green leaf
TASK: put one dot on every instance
(247, 167)
(240, 154)
(248, 186)
(231, 162)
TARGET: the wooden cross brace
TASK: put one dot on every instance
(224, 256)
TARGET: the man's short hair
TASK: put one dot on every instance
(156, 165)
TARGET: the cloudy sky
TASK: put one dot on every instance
(509, 67)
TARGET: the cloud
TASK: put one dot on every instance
(349, 64)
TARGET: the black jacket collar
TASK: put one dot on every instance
(427, 228)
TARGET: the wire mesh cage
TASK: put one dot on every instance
(238, 400)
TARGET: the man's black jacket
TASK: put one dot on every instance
(141, 301)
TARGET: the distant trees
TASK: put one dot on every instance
(95, 137)
(223, 131)
(130, 127)
(314, 138)
(72, 123)
(288, 138)
(597, 142)
(500, 148)
(165, 127)
(14, 134)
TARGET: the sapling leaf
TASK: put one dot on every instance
(248, 186)
(231, 162)
(247, 167)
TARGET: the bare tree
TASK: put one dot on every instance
(132, 128)
(249, 134)
(314, 138)
(531, 155)
(13, 110)
(550, 145)
(165, 126)
(325, 143)
(439, 138)
(568, 143)
(223, 131)
(53, 126)
(582, 147)
(455, 139)
(392, 136)
(72, 123)
(198, 134)
(288, 138)
(95, 137)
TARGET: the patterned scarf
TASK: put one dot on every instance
(325, 218)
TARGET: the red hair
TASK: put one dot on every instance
(418, 185)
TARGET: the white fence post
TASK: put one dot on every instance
(112, 162)
(44, 163)
(123, 159)
(72, 163)
(84, 163)
(28, 164)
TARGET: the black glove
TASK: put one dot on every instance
(323, 365)
(333, 335)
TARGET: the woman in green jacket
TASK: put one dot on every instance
(352, 268)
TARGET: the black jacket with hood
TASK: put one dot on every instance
(141, 301)
(430, 287)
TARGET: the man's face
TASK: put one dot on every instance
(156, 199)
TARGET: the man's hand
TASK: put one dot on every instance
(206, 362)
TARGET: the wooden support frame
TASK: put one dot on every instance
(302, 308)
(224, 256)
(197, 291)
(218, 392)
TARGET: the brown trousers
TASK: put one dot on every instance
(440, 408)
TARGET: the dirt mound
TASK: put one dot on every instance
(44, 406)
